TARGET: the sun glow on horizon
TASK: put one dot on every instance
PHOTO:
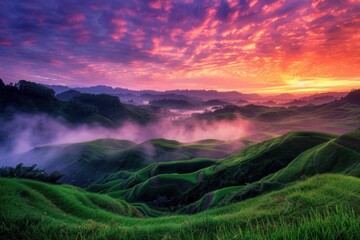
(249, 46)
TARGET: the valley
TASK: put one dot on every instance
(272, 172)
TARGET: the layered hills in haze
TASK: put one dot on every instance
(180, 120)
(103, 109)
(85, 163)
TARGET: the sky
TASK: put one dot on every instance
(262, 46)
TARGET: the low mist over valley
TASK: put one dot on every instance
(83, 131)
(163, 154)
(33, 115)
(179, 120)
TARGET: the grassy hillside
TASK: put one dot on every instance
(80, 163)
(183, 187)
(338, 155)
(277, 189)
(120, 180)
(84, 163)
(322, 207)
(199, 184)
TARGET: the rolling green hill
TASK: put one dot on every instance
(338, 155)
(80, 163)
(322, 207)
(341, 155)
(302, 185)
(84, 163)
(200, 184)
(169, 175)
(248, 165)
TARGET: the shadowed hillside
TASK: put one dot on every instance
(83, 163)
(102, 109)
(67, 95)
(279, 188)
(255, 170)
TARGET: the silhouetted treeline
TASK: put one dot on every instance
(20, 171)
(103, 109)
(353, 96)
(28, 97)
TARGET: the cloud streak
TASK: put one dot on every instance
(221, 44)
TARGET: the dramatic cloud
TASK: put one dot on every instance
(250, 45)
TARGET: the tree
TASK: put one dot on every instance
(2, 84)
(35, 90)
(20, 171)
(79, 110)
(353, 96)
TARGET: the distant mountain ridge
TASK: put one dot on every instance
(317, 99)
(67, 95)
(72, 106)
(203, 94)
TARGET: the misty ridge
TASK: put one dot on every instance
(32, 115)
(179, 120)
(169, 153)
(24, 132)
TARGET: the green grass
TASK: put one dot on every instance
(338, 155)
(88, 162)
(321, 207)
(270, 190)
(199, 184)
(113, 183)
(168, 185)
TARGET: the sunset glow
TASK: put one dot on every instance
(263, 46)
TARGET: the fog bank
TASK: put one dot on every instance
(25, 132)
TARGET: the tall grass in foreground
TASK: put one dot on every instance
(335, 224)
(338, 223)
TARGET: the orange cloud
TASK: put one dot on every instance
(251, 46)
